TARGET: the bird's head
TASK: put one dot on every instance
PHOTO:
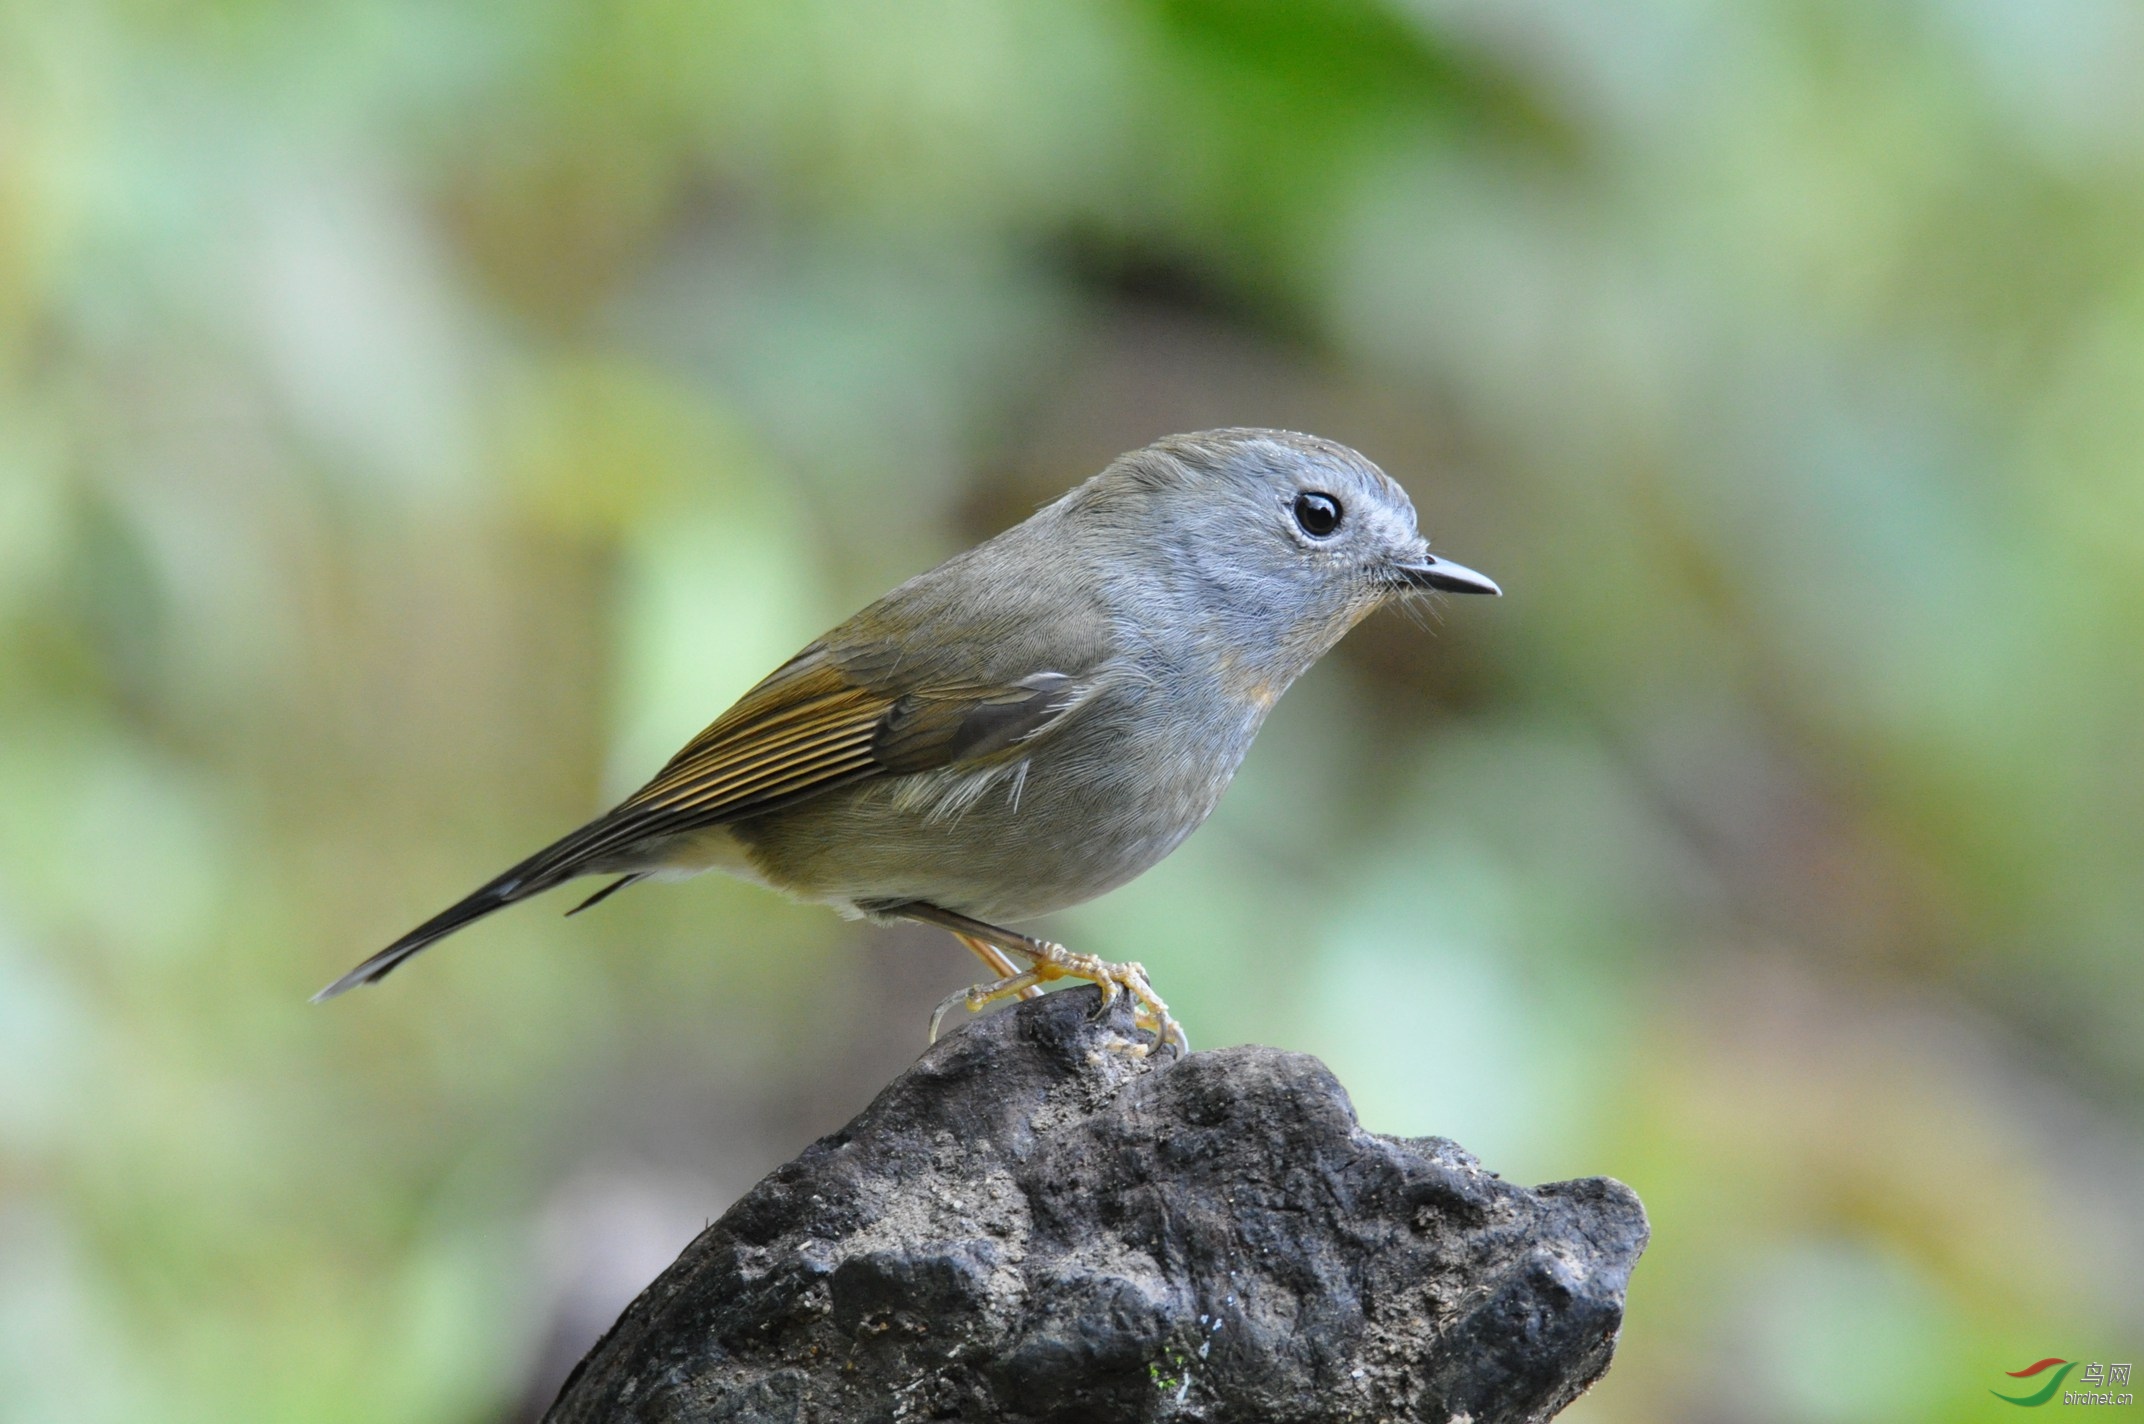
(1288, 540)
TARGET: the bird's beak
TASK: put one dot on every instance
(1432, 572)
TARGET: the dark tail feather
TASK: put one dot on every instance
(563, 860)
(512, 886)
(607, 891)
(553, 865)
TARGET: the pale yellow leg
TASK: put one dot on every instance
(983, 995)
(999, 965)
(1046, 961)
(1054, 961)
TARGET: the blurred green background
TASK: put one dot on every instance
(416, 419)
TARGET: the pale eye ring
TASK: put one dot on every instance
(1317, 513)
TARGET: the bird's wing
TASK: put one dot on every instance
(810, 727)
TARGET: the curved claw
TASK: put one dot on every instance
(945, 1006)
(1114, 979)
(1168, 1033)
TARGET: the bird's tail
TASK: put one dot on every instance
(494, 895)
(553, 865)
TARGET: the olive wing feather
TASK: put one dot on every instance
(809, 728)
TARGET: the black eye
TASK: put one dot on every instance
(1319, 514)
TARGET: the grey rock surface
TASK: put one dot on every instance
(1031, 1225)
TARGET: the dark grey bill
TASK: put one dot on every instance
(1434, 572)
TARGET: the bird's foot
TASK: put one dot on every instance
(982, 996)
(1048, 962)
(1113, 979)
(994, 959)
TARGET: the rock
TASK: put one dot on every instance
(1031, 1225)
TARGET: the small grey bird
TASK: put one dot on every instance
(1031, 723)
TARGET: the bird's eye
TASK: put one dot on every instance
(1318, 514)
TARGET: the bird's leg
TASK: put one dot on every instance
(983, 995)
(1048, 961)
(1011, 981)
(998, 964)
